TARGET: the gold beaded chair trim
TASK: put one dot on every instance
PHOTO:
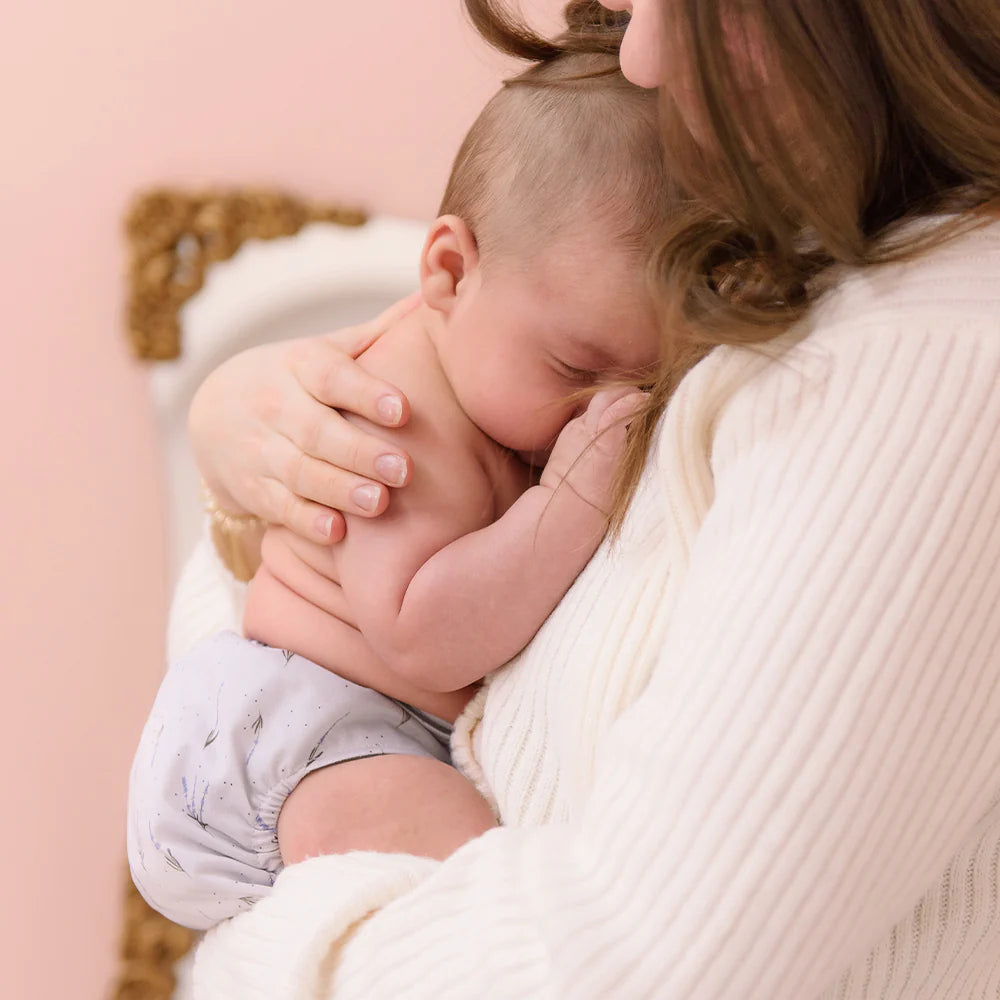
(174, 237)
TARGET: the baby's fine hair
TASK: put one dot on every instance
(567, 144)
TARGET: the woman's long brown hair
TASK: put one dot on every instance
(823, 129)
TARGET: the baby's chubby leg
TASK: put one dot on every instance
(395, 803)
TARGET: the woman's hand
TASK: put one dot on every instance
(269, 442)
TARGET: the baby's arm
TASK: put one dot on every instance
(443, 611)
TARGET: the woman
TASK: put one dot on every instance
(754, 753)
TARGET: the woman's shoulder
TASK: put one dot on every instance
(953, 284)
(887, 343)
(946, 298)
(929, 327)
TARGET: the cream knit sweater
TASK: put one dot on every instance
(755, 752)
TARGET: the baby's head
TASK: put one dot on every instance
(535, 272)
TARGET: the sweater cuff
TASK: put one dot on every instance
(463, 747)
(285, 948)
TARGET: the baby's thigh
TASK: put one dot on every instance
(394, 804)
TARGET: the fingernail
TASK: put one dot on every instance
(324, 524)
(390, 409)
(367, 497)
(391, 469)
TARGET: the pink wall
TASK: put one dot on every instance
(357, 101)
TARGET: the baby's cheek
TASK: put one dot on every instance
(523, 410)
(550, 420)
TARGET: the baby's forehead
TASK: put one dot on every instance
(593, 299)
(583, 255)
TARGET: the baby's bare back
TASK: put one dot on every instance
(297, 600)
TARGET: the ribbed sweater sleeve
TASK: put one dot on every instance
(816, 740)
(207, 599)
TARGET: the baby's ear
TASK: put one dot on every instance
(450, 256)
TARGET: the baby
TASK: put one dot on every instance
(363, 654)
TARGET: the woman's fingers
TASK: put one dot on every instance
(269, 441)
(307, 519)
(319, 367)
(319, 432)
(320, 482)
(331, 438)
(325, 372)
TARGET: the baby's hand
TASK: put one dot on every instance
(586, 453)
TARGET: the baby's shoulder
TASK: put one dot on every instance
(446, 447)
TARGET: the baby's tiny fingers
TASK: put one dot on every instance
(623, 410)
(601, 401)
